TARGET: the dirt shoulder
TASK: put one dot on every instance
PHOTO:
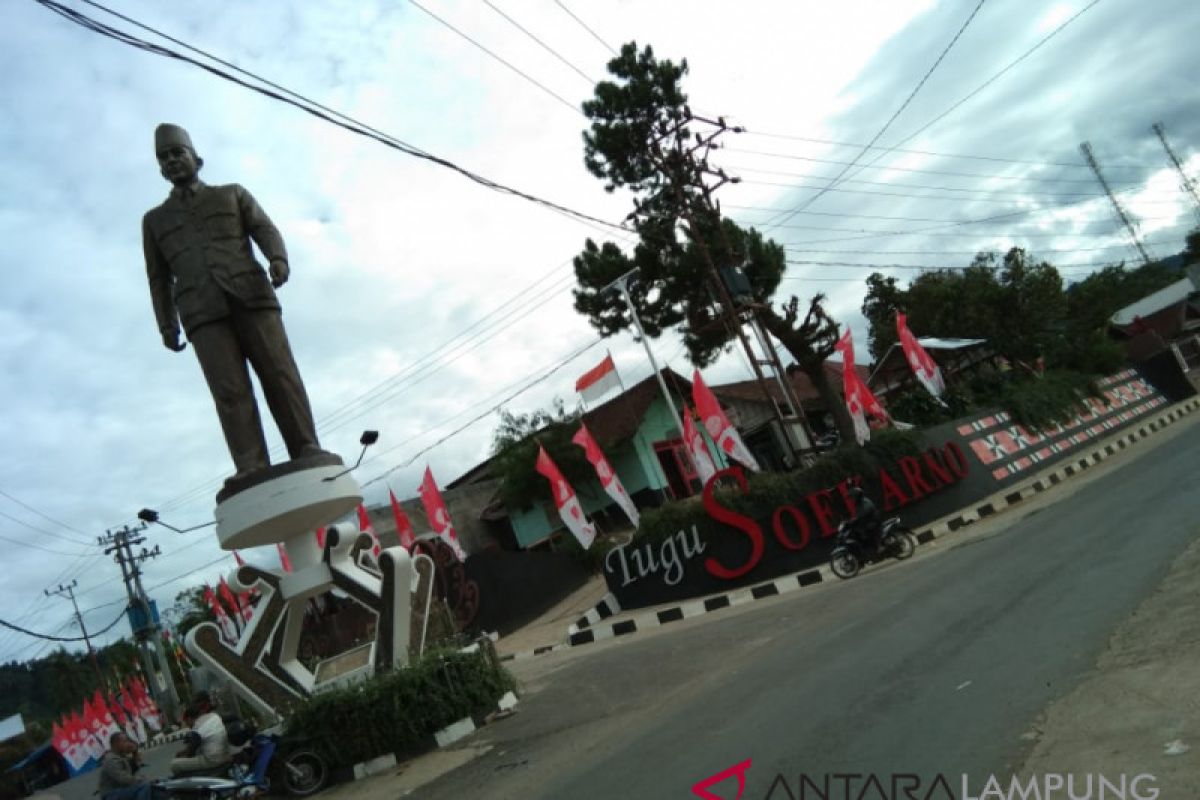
(1139, 710)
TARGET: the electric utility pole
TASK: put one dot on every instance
(68, 591)
(120, 544)
(694, 182)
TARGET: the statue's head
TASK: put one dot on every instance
(177, 159)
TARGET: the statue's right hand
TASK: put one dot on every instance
(171, 341)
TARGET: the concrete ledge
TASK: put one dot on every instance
(587, 629)
(443, 738)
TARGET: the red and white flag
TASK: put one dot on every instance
(283, 557)
(146, 705)
(233, 602)
(94, 725)
(697, 447)
(565, 500)
(718, 425)
(860, 401)
(604, 471)
(598, 381)
(107, 719)
(228, 629)
(923, 365)
(62, 743)
(81, 732)
(404, 528)
(438, 515)
(135, 717)
(365, 526)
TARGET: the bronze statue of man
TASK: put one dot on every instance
(203, 274)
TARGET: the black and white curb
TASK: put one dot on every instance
(443, 738)
(587, 629)
(607, 607)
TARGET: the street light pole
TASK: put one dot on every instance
(622, 284)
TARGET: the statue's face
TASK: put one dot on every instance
(178, 164)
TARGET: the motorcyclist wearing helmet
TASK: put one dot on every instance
(865, 524)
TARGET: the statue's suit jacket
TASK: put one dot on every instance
(198, 256)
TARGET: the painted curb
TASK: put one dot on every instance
(587, 628)
(444, 738)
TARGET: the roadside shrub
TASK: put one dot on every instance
(1055, 397)
(398, 712)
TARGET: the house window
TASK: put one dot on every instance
(682, 480)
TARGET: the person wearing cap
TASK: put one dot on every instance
(204, 277)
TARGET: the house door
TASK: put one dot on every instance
(681, 475)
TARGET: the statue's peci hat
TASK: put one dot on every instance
(167, 135)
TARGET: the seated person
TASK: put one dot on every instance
(208, 743)
(117, 767)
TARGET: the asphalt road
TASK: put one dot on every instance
(937, 666)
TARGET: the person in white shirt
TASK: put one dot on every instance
(208, 742)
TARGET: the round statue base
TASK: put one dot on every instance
(281, 508)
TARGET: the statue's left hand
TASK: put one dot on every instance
(279, 273)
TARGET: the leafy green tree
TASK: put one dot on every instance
(645, 139)
(514, 454)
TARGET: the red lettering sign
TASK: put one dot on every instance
(821, 504)
(801, 525)
(735, 520)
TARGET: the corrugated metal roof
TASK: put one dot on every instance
(1166, 297)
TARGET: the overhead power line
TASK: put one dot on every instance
(584, 25)
(48, 637)
(937, 154)
(541, 43)
(920, 84)
(996, 76)
(571, 357)
(27, 507)
(504, 61)
(295, 100)
(917, 170)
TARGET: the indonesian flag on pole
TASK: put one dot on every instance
(404, 528)
(62, 743)
(231, 600)
(107, 720)
(598, 380)
(923, 365)
(131, 708)
(697, 447)
(365, 526)
(439, 517)
(81, 738)
(146, 706)
(228, 633)
(860, 401)
(283, 557)
(718, 425)
(604, 471)
(94, 726)
(565, 500)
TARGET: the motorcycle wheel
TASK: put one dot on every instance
(904, 544)
(845, 564)
(303, 773)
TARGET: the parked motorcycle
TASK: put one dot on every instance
(285, 765)
(850, 555)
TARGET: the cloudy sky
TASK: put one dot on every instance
(419, 300)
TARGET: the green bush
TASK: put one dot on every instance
(398, 711)
(769, 490)
(1055, 397)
